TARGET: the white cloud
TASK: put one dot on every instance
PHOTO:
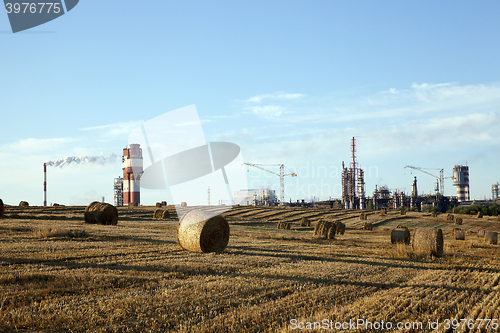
(278, 96)
(117, 129)
(33, 145)
(267, 111)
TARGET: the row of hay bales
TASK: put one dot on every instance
(328, 229)
(325, 229)
(284, 225)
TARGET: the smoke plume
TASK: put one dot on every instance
(101, 159)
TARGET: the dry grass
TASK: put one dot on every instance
(58, 232)
(135, 278)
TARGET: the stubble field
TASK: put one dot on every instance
(58, 274)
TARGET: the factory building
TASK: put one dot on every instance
(264, 197)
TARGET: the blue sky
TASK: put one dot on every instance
(417, 83)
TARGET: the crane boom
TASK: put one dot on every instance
(281, 175)
(441, 176)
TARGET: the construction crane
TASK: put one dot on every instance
(441, 176)
(281, 175)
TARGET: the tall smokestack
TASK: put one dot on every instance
(44, 184)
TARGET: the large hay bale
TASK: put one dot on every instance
(434, 214)
(2, 209)
(481, 233)
(403, 212)
(383, 211)
(450, 218)
(164, 204)
(24, 204)
(161, 214)
(57, 205)
(325, 229)
(458, 221)
(184, 204)
(428, 241)
(305, 222)
(133, 204)
(479, 215)
(491, 237)
(367, 226)
(200, 231)
(101, 213)
(340, 227)
(362, 216)
(400, 235)
(158, 205)
(459, 234)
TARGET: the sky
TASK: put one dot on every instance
(290, 82)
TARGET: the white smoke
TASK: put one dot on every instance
(101, 159)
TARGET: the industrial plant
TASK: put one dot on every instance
(127, 187)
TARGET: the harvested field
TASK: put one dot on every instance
(59, 274)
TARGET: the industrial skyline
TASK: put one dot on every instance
(289, 82)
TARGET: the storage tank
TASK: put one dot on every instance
(461, 181)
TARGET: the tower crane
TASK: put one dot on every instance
(281, 175)
(441, 176)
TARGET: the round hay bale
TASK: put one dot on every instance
(200, 231)
(161, 214)
(133, 204)
(368, 226)
(433, 214)
(305, 222)
(330, 233)
(184, 204)
(428, 241)
(481, 233)
(450, 218)
(458, 221)
(400, 235)
(362, 216)
(383, 211)
(340, 227)
(325, 229)
(101, 213)
(158, 204)
(491, 237)
(479, 215)
(24, 204)
(459, 234)
(403, 212)
(2, 209)
(164, 204)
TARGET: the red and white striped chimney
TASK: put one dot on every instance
(44, 184)
(132, 170)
